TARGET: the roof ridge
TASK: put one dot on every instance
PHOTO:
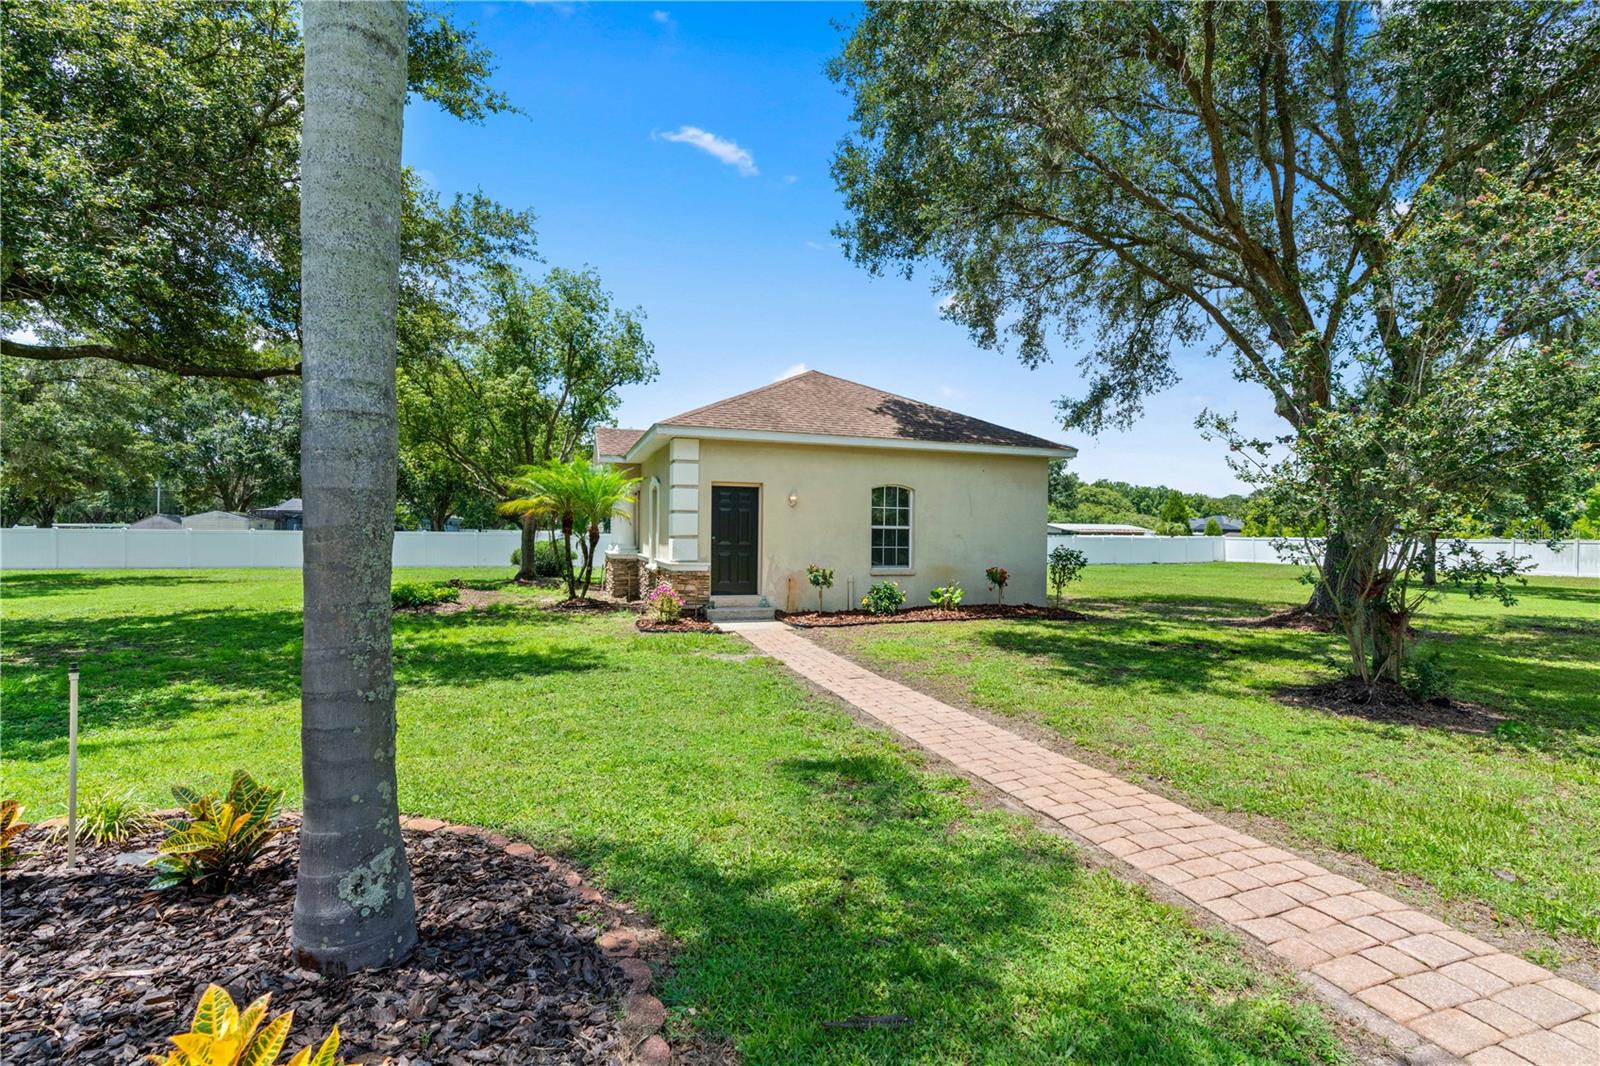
(750, 392)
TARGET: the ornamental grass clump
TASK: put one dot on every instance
(665, 603)
(884, 597)
(220, 1034)
(820, 578)
(218, 837)
(110, 818)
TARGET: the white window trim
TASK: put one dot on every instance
(655, 516)
(910, 528)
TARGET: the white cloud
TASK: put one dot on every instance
(816, 247)
(723, 151)
(663, 18)
(796, 369)
(948, 302)
(790, 179)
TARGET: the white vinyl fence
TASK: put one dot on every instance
(67, 548)
(1573, 558)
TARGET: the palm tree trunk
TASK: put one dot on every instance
(353, 905)
(526, 569)
(566, 537)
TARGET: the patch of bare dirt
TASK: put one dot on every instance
(1389, 703)
(965, 613)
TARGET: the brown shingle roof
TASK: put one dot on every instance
(820, 403)
(609, 440)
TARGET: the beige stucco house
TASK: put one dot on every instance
(736, 498)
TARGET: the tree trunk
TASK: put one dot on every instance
(439, 515)
(588, 558)
(353, 905)
(568, 575)
(526, 569)
(1334, 553)
(1430, 561)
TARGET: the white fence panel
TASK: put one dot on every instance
(66, 548)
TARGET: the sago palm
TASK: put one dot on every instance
(602, 491)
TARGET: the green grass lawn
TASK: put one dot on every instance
(1510, 820)
(807, 866)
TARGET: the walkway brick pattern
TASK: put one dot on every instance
(1430, 981)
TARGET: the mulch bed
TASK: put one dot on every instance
(684, 624)
(591, 605)
(972, 613)
(1389, 703)
(469, 599)
(508, 967)
(1300, 619)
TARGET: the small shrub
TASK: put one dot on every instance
(947, 596)
(1066, 566)
(665, 603)
(222, 1035)
(219, 838)
(546, 558)
(998, 576)
(11, 827)
(110, 818)
(1213, 528)
(820, 578)
(409, 595)
(1425, 677)
(884, 597)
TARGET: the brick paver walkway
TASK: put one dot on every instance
(1407, 975)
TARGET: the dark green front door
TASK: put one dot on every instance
(735, 532)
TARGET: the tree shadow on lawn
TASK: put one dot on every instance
(142, 670)
(884, 906)
(30, 584)
(1131, 652)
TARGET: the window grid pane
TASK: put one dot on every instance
(891, 527)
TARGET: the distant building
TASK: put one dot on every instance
(1231, 527)
(289, 514)
(158, 521)
(224, 520)
(1099, 529)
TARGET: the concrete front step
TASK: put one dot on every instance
(750, 613)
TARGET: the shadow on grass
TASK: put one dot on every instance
(994, 944)
(30, 584)
(144, 670)
(1131, 651)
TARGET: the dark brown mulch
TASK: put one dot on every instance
(1301, 619)
(684, 624)
(506, 969)
(1389, 703)
(596, 605)
(965, 613)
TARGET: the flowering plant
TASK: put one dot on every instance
(821, 578)
(665, 602)
(998, 576)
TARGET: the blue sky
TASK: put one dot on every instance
(682, 150)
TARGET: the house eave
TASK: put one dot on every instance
(659, 434)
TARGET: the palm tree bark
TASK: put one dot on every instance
(353, 902)
(528, 556)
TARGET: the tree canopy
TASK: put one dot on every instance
(150, 169)
(1141, 176)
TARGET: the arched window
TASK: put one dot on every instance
(891, 528)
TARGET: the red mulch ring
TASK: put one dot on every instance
(965, 613)
(684, 624)
(1388, 703)
(506, 970)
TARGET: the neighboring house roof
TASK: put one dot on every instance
(814, 404)
(1229, 525)
(1102, 529)
(613, 443)
(157, 521)
(287, 507)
